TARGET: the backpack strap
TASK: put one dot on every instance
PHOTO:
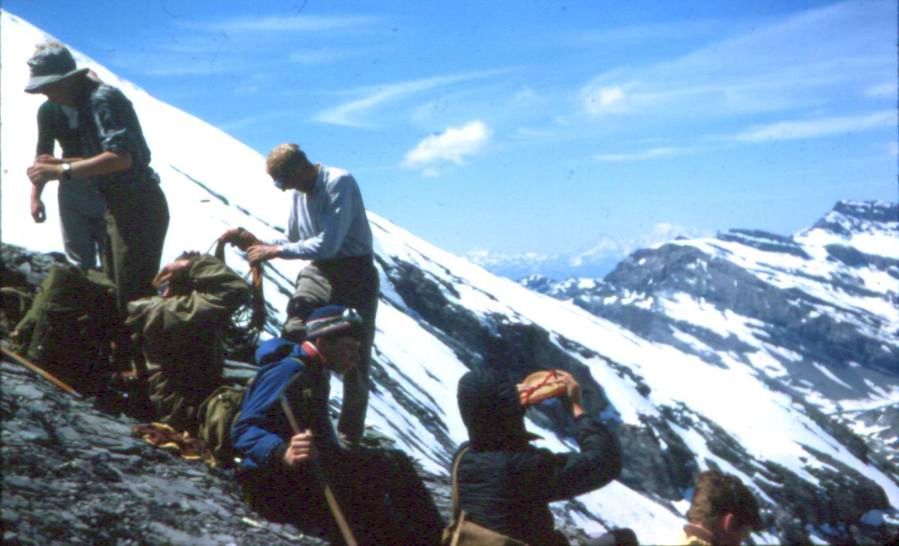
(454, 506)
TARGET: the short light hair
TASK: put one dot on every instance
(49, 44)
(717, 494)
(283, 157)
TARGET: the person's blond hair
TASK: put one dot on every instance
(47, 45)
(283, 157)
(717, 494)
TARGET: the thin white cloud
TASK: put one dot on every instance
(317, 56)
(652, 153)
(189, 68)
(667, 31)
(173, 63)
(893, 148)
(532, 134)
(815, 128)
(452, 145)
(609, 247)
(296, 23)
(258, 118)
(351, 114)
(774, 67)
(603, 99)
(489, 258)
(526, 95)
(886, 89)
(598, 259)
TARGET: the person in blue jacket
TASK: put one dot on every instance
(282, 470)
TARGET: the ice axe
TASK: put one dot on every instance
(59, 383)
(336, 512)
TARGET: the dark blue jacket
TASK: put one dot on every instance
(261, 433)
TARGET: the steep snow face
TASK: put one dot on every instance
(869, 227)
(817, 311)
(683, 406)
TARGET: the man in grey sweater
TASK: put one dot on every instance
(327, 226)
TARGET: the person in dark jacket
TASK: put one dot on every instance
(504, 483)
(281, 471)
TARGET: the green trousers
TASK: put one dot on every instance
(137, 219)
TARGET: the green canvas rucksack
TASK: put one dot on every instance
(69, 325)
(14, 304)
(216, 415)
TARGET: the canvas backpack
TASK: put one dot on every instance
(216, 415)
(69, 325)
(464, 532)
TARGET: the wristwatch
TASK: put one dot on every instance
(67, 171)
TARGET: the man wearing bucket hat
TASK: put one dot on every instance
(290, 453)
(116, 155)
(503, 483)
(81, 207)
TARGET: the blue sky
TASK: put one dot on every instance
(535, 126)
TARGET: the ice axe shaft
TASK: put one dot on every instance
(336, 512)
(19, 359)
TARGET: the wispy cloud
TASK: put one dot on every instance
(652, 153)
(533, 134)
(774, 67)
(452, 145)
(189, 68)
(893, 148)
(673, 30)
(609, 247)
(883, 90)
(318, 56)
(490, 258)
(597, 260)
(815, 128)
(602, 99)
(525, 96)
(296, 23)
(259, 118)
(351, 113)
(180, 60)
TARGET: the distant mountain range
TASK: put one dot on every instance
(552, 266)
(773, 358)
(596, 261)
(815, 315)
